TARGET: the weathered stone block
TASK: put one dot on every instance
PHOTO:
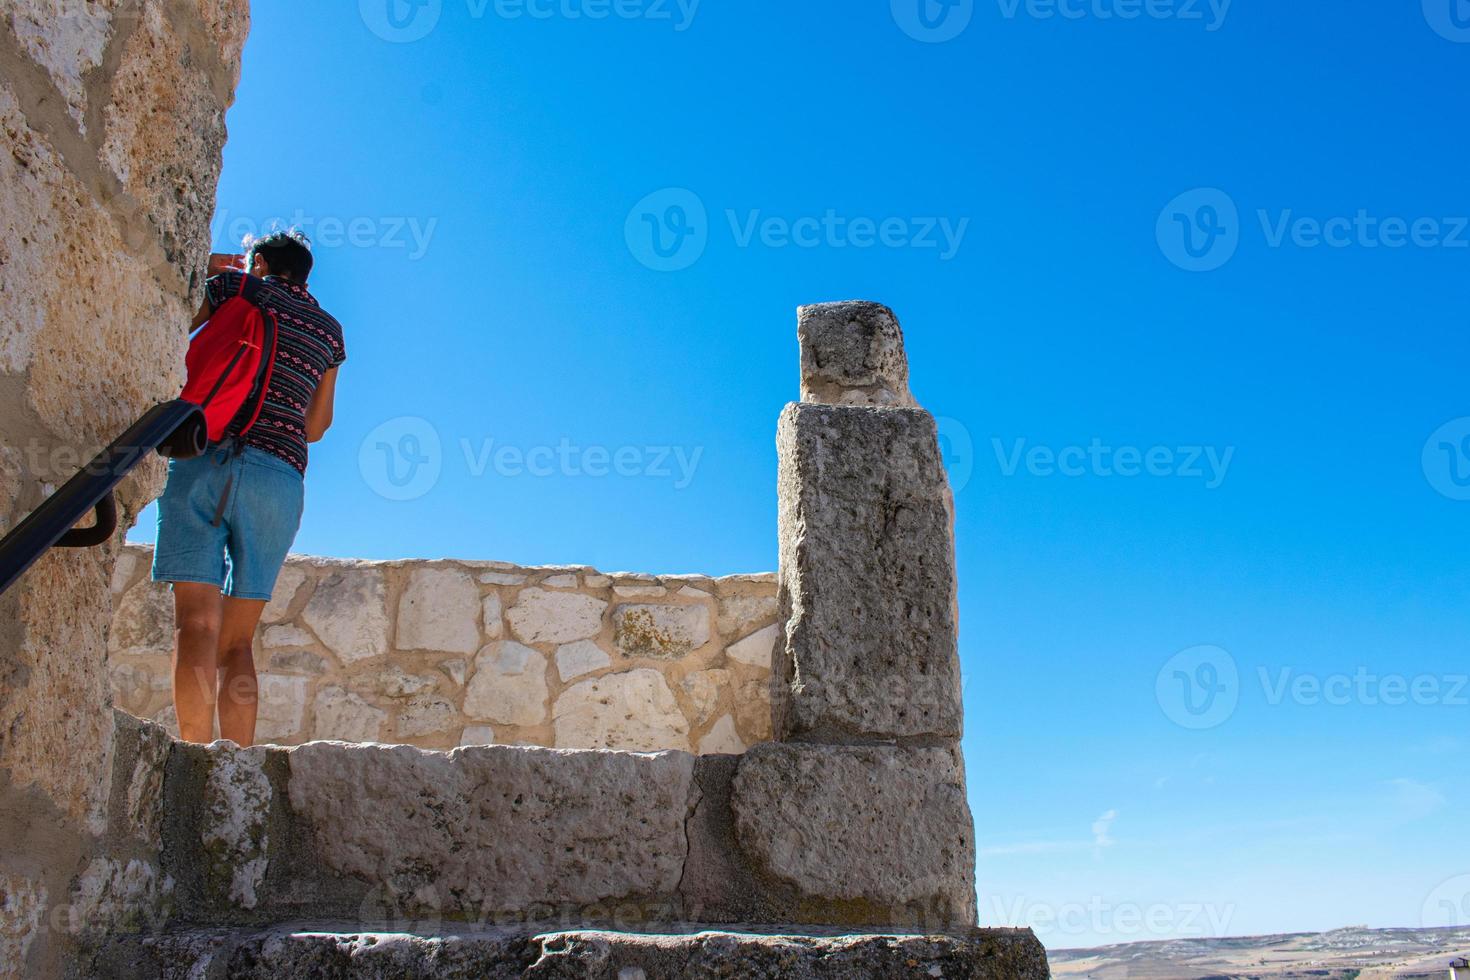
(113, 895)
(425, 714)
(288, 584)
(236, 807)
(555, 617)
(634, 711)
(440, 611)
(496, 827)
(704, 689)
(344, 716)
(868, 576)
(660, 631)
(348, 611)
(582, 657)
(176, 62)
(739, 614)
(141, 752)
(22, 907)
(757, 648)
(143, 622)
(852, 354)
(282, 706)
(722, 739)
(872, 833)
(509, 685)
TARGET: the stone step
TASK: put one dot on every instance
(784, 833)
(322, 950)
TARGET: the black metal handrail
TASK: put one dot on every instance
(175, 429)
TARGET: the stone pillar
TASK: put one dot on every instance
(860, 803)
(866, 528)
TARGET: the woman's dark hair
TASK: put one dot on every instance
(288, 253)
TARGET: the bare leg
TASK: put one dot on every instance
(238, 691)
(198, 610)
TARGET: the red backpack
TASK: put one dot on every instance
(229, 362)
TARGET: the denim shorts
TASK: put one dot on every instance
(244, 554)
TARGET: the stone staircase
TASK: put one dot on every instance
(844, 847)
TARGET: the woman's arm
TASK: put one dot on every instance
(202, 317)
(319, 412)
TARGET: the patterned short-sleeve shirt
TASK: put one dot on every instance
(309, 343)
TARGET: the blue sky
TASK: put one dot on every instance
(1287, 383)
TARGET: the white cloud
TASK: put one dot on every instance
(1413, 800)
(1101, 838)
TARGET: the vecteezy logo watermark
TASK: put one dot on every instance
(1449, 18)
(1448, 904)
(401, 459)
(401, 21)
(405, 21)
(411, 234)
(1364, 687)
(1211, 13)
(933, 21)
(1124, 920)
(1198, 688)
(1199, 230)
(1201, 688)
(1446, 459)
(668, 230)
(833, 230)
(1209, 464)
(567, 459)
(958, 449)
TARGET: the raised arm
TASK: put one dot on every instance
(202, 317)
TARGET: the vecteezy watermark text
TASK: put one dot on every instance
(406, 21)
(670, 229)
(404, 459)
(567, 459)
(1209, 464)
(411, 234)
(1201, 687)
(937, 21)
(832, 230)
(1210, 13)
(1097, 916)
(1200, 230)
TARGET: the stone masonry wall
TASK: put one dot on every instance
(439, 654)
(111, 129)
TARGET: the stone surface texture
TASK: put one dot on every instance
(852, 354)
(350, 953)
(112, 125)
(421, 652)
(498, 827)
(868, 576)
(883, 828)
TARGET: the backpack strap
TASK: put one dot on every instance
(250, 288)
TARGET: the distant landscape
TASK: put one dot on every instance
(1354, 953)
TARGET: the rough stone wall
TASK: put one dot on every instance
(112, 122)
(441, 654)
